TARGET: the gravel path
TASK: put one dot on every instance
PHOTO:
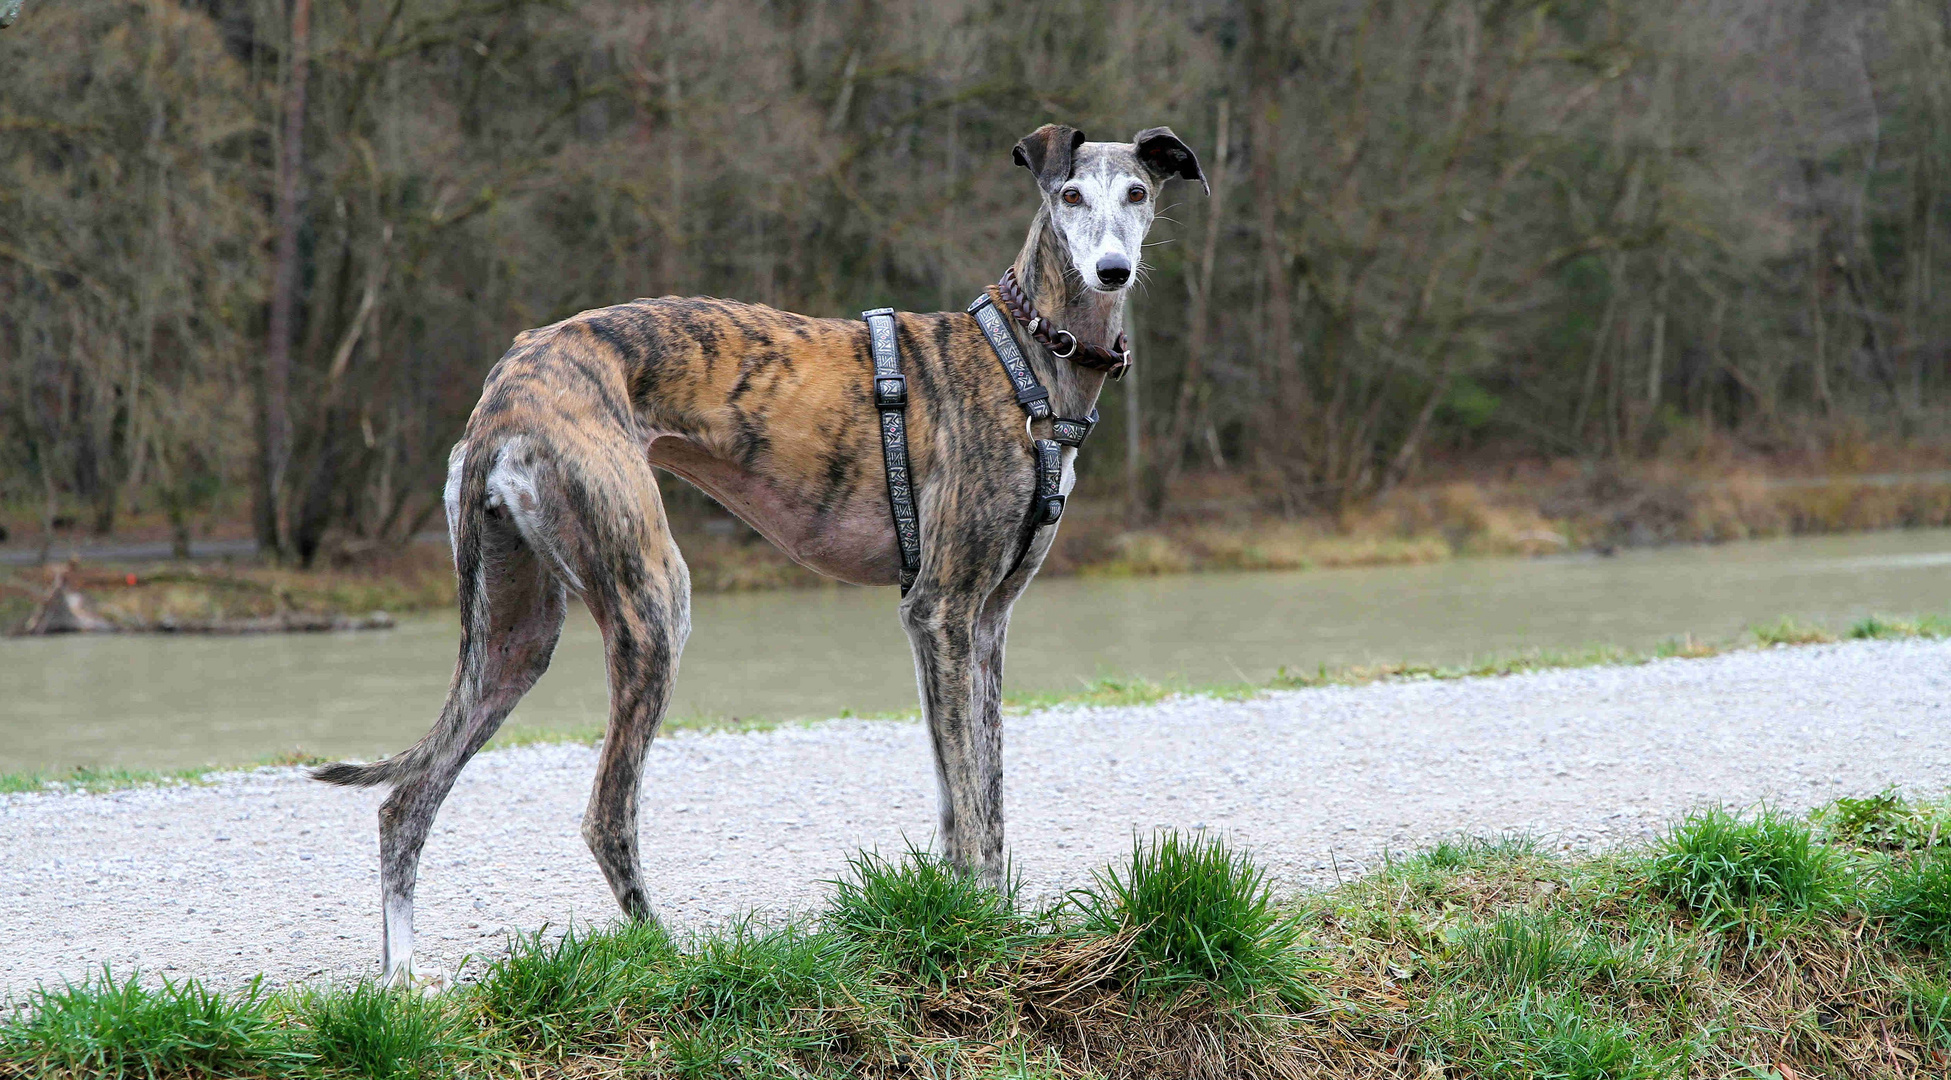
(265, 871)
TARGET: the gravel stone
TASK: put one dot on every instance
(265, 871)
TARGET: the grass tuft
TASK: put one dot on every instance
(1558, 1036)
(923, 917)
(548, 992)
(754, 975)
(1521, 949)
(1731, 870)
(1914, 899)
(1199, 912)
(1458, 854)
(369, 1031)
(102, 1028)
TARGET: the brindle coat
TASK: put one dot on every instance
(552, 491)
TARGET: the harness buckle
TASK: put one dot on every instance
(1053, 509)
(890, 392)
(1073, 432)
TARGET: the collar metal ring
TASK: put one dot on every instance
(1072, 351)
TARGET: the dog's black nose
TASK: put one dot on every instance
(1113, 271)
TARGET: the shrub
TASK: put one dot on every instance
(1199, 913)
(108, 1029)
(1730, 870)
(1914, 899)
(370, 1031)
(923, 917)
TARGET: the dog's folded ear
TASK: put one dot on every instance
(1167, 156)
(1050, 153)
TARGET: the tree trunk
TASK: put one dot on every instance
(274, 431)
(1286, 386)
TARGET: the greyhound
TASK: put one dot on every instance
(551, 492)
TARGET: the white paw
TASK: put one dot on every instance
(423, 980)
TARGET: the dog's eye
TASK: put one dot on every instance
(1136, 194)
(1073, 197)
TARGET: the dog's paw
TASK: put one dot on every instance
(425, 980)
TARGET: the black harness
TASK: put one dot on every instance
(891, 400)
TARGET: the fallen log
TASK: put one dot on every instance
(289, 622)
(64, 610)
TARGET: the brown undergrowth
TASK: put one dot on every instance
(1217, 523)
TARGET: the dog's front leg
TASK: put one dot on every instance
(968, 741)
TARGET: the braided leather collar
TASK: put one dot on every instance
(1062, 343)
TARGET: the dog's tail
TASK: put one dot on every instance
(384, 771)
(465, 496)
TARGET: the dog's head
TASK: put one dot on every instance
(1102, 196)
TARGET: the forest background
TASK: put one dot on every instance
(1477, 261)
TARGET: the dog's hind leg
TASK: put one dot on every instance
(639, 591)
(512, 606)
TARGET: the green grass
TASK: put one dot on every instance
(1522, 948)
(367, 1031)
(1914, 900)
(1490, 959)
(1452, 855)
(547, 992)
(1789, 631)
(1733, 870)
(109, 1028)
(921, 917)
(1564, 1037)
(1886, 821)
(1881, 627)
(1199, 912)
(1926, 1003)
(96, 780)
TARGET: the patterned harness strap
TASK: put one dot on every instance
(891, 399)
(1035, 400)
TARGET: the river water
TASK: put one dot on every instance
(158, 701)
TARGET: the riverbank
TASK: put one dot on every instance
(1318, 782)
(1602, 928)
(1215, 524)
(1102, 692)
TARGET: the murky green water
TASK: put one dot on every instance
(156, 701)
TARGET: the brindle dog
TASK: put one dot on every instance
(552, 492)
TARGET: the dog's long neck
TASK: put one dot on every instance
(1095, 317)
